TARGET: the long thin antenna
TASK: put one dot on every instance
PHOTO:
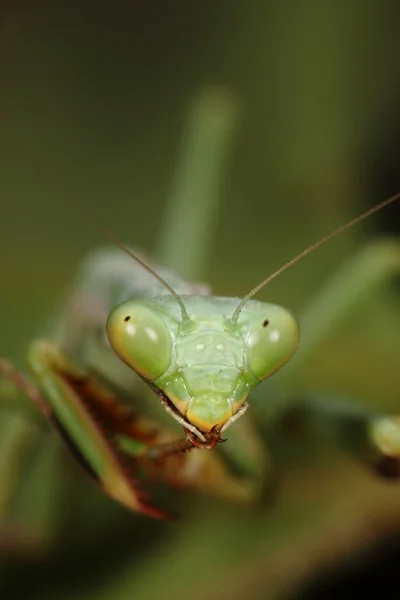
(311, 249)
(107, 233)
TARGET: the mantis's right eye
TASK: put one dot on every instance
(272, 339)
(141, 338)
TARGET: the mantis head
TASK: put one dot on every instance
(205, 372)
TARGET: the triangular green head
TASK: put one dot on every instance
(204, 368)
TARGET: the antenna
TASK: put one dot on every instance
(311, 249)
(108, 234)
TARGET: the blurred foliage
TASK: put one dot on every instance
(98, 93)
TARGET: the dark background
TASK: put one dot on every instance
(98, 94)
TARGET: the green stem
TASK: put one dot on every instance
(188, 226)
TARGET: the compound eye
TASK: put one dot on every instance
(271, 341)
(140, 337)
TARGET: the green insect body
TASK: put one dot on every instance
(135, 354)
(121, 338)
(202, 369)
(125, 334)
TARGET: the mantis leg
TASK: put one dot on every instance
(65, 402)
(114, 443)
(372, 438)
(25, 386)
(28, 521)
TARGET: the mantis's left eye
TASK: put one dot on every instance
(271, 340)
(141, 338)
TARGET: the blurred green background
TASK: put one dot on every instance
(99, 94)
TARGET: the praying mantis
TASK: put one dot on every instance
(137, 354)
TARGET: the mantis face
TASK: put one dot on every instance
(207, 369)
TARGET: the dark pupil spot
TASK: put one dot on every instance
(265, 323)
(127, 318)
